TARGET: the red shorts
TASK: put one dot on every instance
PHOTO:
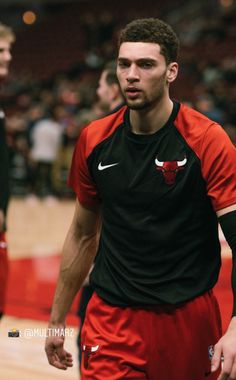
(3, 270)
(159, 343)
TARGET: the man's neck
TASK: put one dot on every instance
(149, 121)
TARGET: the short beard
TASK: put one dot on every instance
(146, 104)
(140, 106)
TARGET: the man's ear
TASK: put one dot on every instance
(172, 72)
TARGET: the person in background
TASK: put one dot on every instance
(109, 93)
(160, 176)
(7, 37)
(46, 140)
(206, 105)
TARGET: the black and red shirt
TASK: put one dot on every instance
(159, 195)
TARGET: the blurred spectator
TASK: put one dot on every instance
(46, 141)
(108, 91)
(205, 104)
(35, 113)
(20, 168)
(211, 74)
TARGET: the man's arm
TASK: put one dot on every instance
(79, 251)
(225, 349)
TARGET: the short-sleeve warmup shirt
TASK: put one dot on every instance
(159, 195)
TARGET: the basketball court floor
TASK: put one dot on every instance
(36, 233)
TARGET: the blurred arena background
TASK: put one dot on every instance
(60, 49)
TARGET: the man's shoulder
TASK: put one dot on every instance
(190, 118)
(197, 129)
(193, 125)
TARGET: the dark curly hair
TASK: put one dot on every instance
(155, 31)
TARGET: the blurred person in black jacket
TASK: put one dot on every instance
(7, 37)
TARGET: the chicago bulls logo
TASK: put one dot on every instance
(88, 351)
(170, 169)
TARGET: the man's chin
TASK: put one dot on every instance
(137, 106)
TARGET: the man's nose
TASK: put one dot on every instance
(133, 74)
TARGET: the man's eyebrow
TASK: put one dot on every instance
(146, 59)
(143, 59)
(123, 59)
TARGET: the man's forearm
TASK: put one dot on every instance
(77, 258)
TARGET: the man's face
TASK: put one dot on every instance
(104, 91)
(143, 74)
(5, 57)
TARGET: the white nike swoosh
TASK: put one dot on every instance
(102, 167)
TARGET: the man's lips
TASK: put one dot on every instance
(132, 91)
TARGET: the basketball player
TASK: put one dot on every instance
(160, 175)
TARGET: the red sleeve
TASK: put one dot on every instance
(79, 178)
(218, 157)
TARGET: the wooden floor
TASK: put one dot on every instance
(24, 358)
(35, 228)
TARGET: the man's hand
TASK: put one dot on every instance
(225, 353)
(56, 354)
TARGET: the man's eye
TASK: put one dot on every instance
(146, 65)
(123, 64)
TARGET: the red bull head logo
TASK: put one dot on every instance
(170, 169)
(88, 351)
